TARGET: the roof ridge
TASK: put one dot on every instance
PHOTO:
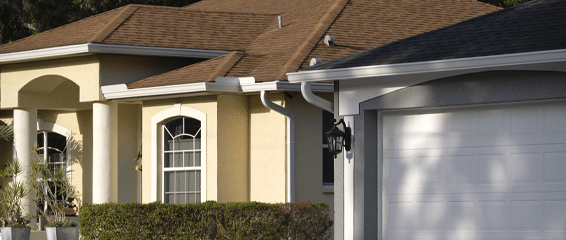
(223, 68)
(321, 27)
(113, 24)
(230, 12)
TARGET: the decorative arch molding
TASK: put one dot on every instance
(156, 121)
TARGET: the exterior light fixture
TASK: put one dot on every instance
(337, 139)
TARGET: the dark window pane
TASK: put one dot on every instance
(168, 159)
(327, 158)
(327, 167)
(175, 126)
(192, 126)
(169, 198)
(40, 139)
(57, 141)
(327, 118)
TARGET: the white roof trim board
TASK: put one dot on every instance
(67, 51)
(430, 66)
(121, 91)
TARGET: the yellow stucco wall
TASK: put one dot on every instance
(267, 151)
(206, 104)
(127, 152)
(45, 76)
(232, 148)
(116, 69)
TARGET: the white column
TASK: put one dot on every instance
(25, 136)
(104, 152)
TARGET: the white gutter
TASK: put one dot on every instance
(80, 49)
(430, 66)
(314, 99)
(121, 91)
(290, 143)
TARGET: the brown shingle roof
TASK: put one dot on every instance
(206, 71)
(357, 25)
(250, 26)
(82, 31)
(154, 26)
(364, 24)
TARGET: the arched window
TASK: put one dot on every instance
(52, 150)
(182, 160)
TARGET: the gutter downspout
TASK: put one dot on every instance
(314, 99)
(290, 143)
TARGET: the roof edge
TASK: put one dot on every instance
(121, 92)
(429, 66)
(79, 49)
(312, 39)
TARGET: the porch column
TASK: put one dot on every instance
(104, 152)
(25, 136)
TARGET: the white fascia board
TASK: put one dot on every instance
(430, 66)
(154, 51)
(121, 91)
(72, 50)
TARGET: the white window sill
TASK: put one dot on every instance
(328, 188)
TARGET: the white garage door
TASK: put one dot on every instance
(495, 172)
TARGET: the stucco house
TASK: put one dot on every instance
(458, 133)
(197, 96)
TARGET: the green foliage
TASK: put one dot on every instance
(51, 187)
(11, 200)
(249, 220)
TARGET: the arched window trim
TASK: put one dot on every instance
(43, 126)
(157, 122)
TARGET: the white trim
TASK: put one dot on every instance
(121, 91)
(429, 66)
(156, 121)
(71, 50)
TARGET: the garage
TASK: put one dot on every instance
(482, 172)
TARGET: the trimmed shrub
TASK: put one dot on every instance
(247, 220)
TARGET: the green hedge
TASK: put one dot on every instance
(209, 220)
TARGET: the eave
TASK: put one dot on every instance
(440, 66)
(121, 92)
(91, 48)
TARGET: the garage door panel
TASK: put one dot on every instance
(483, 216)
(537, 124)
(475, 173)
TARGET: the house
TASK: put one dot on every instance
(457, 133)
(196, 98)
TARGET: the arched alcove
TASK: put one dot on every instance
(51, 92)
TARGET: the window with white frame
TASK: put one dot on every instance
(182, 161)
(52, 151)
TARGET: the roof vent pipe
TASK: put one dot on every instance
(315, 61)
(329, 40)
(280, 21)
(314, 99)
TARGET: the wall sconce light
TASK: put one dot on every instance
(337, 139)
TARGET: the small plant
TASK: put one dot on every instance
(52, 187)
(11, 199)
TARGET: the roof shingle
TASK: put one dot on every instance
(529, 27)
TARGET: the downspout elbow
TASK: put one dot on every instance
(290, 143)
(314, 99)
